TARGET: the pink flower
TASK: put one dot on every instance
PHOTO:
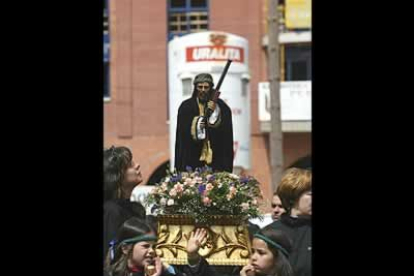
(179, 187)
(207, 201)
(209, 187)
(173, 192)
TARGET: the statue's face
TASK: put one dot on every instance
(203, 89)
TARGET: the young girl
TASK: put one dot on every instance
(132, 253)
(270, 253)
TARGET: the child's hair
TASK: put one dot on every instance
(131, 231)
(294, 183)
(280, 246)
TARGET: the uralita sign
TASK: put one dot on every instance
(219, 51)
(214, 53)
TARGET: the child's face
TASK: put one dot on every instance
(143, 253)
(262, 258)
(304, 204)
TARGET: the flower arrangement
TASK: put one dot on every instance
(202, 193)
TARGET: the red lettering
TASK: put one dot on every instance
(214, 53)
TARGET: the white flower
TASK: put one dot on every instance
(163, 201)
(209, 187)
(233, 176)
(244, 206)
(170, 202)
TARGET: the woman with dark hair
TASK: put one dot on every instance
(270, 253)
(121, 175)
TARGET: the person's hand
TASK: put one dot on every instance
(156, 268)
(193, 245)
(195, 240)
(211, 105)
(247, 270)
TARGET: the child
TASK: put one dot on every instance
(270, 253)
(132, 253)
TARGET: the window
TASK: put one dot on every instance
(106, 48)
(187, 16)
(298, 64)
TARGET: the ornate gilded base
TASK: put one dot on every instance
(227, 240)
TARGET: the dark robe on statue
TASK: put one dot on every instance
(188, 149)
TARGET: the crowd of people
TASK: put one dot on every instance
(281, 248)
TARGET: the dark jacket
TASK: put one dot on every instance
(202, 269)
(116, 212)
(187, 151)
(299, 230)
(141, 273)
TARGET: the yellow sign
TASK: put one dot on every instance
(298, 14)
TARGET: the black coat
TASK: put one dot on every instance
(299, 230)
(202, 269)
(116, 212)
(187, 151)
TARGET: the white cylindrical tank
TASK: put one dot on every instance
(207, 52)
